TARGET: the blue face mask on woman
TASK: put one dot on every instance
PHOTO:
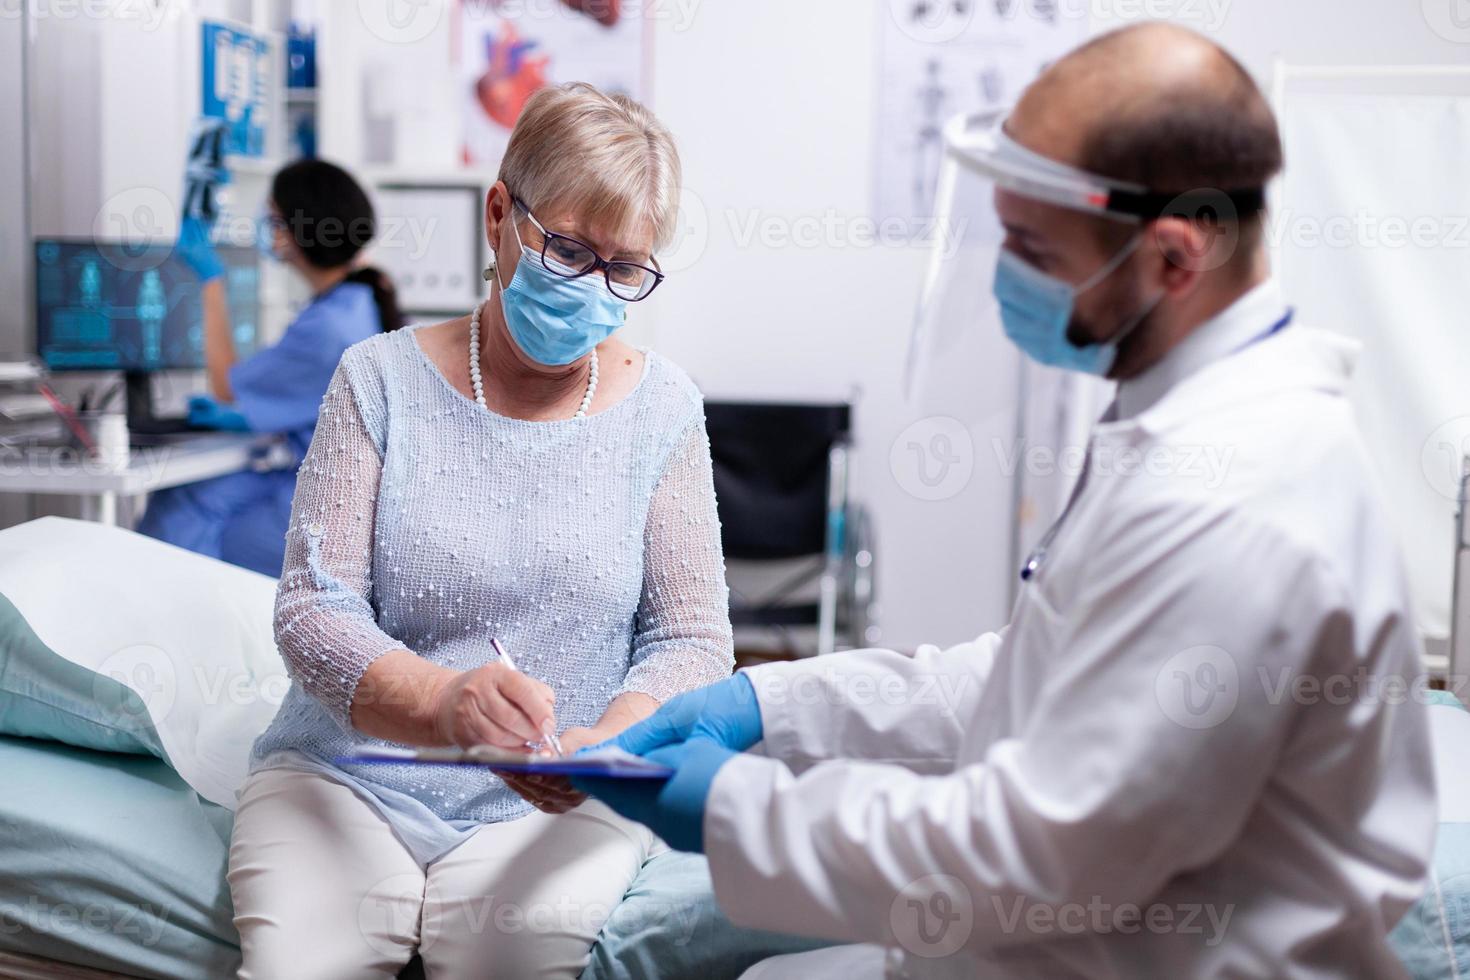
(1036, 309)
(555, 320)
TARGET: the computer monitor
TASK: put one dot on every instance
(109, 306)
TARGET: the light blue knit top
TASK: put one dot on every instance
(590, 547)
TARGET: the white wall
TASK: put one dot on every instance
(1308, 32)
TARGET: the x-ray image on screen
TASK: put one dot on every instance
(94, 312)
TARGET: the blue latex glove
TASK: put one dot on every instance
(206, 413)
(196, 251)
(673, 809)
(726, 713)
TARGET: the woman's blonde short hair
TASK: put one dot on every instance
(604, 157)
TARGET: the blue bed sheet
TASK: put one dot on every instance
(112, 861)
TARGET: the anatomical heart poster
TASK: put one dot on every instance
(510, 48)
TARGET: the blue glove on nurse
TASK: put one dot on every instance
(726, 713)
(673, 809)
(206, 413)
(196, 251)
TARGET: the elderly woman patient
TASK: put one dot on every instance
(516, 474)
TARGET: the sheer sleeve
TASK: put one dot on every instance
(325, 624)
(682, 637)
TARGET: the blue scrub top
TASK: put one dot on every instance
(281, 388)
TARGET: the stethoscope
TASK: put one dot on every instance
(1038, 555)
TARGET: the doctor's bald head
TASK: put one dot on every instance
(1163, 107)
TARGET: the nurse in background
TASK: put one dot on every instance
(318, 220)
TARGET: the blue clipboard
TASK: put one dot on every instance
(603, 763)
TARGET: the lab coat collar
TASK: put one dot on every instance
(1298, 358)
(1228, 331)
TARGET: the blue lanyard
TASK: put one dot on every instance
(1272, 331)
(1033, 562)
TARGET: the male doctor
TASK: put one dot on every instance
(1194, 751)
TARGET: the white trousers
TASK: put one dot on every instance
(323, 889)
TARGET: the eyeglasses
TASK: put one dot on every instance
(570, 259)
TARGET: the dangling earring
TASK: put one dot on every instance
(489, 272)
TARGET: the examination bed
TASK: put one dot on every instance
(133, 678)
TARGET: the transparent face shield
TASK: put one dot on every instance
(984, 171)
(980, 159)
(1007, 424)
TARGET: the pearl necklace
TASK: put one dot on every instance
(479, 383)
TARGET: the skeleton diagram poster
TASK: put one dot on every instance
(940, 58)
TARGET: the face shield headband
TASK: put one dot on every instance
(980, 143)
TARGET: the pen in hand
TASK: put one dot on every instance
(505, 658)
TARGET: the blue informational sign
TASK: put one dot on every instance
(234, 70)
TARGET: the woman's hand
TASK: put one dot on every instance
(494, 705)
(556, 794)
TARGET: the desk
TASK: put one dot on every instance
(68, 471)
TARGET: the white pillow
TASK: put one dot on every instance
(190, 635)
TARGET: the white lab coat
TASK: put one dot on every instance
(1136, 778)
